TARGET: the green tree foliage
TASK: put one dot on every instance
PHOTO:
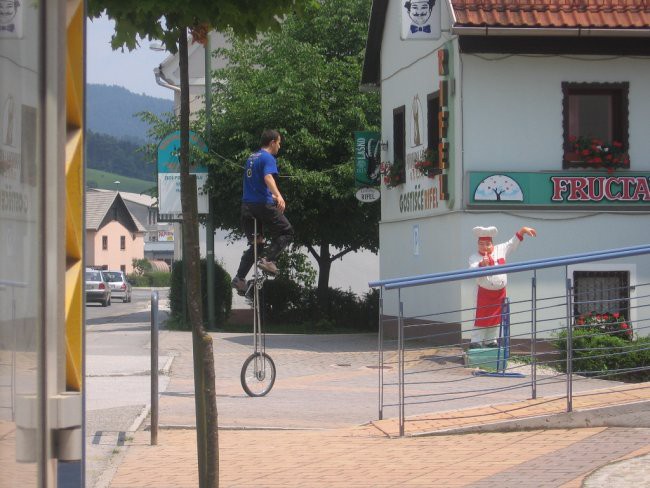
(168, 21)
(303, 81)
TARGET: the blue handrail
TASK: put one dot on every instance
(462, 274)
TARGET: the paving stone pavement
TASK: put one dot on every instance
(308, 431)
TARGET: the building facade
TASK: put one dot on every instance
(41, 241)
(114, 237)
(532, 114)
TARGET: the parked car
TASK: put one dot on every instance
(120, 286)
(97, 289)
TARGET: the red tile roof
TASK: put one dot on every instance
(589, 14)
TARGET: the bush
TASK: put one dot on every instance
(600, 354)
(286, 302)
(222, 295)
(150, 278)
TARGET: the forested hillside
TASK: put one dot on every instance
(119, 156)
(111, 110)
(115, 135)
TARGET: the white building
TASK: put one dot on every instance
(497, 92)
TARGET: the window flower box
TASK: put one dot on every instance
(591, 152)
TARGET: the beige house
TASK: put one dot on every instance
(114, 236)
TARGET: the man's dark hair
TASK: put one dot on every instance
(431, 3)
(268, 136)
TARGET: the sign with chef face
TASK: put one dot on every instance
(421, 19)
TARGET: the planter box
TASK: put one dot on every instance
(486, 358)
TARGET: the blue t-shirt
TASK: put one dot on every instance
(258, 165)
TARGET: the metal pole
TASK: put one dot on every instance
(400, 346)
(381, 353)
(569, 349)
(533, 342)
(154, 368)
(209, 226)
(184, 283)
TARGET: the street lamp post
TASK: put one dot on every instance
(209, 226)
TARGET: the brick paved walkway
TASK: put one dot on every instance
(333, 459)
(320, 379)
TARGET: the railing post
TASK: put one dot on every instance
(380, 350)
(400, 347)
(533, 341)
(569, 349)
(154, 368)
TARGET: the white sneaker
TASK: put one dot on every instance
(268, 266)
(239, 285)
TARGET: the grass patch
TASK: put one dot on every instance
(104, 180)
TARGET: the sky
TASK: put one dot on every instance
(132, 70)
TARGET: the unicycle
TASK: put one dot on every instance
(258, 371)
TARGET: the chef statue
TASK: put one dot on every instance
(491, 289)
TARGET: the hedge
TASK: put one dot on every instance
(222, 295)
(286, 302)
(598, 354)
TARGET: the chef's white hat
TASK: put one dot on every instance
(485, 232)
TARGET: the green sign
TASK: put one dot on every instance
(565, 190)
(367, 158)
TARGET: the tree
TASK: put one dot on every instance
(168, 21)
(303, 81)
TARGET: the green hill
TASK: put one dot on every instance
(106, 181)
(111, 110)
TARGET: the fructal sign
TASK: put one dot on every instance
(558, 190)
(598, 188)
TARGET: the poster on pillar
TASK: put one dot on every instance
(169, 176)
(420, 19)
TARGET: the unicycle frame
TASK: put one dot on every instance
(262, 364)
(259, 342)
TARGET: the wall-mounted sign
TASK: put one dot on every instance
(368, 194)
(169, 176)
(165, 236)
(367, 158)
(420, 19)
(564, 190)
(11, 19)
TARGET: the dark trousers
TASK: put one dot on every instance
(269, 220)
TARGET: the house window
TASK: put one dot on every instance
(601, 291)
(104, 243)
(594, 111)
(399, 135)
(122, 243)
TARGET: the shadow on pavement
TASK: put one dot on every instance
(314, 342)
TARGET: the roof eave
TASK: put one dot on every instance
(371, 71)
(547, 31)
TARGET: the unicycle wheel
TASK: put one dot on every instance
(258, 374)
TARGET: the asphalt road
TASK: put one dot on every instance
(118, 359)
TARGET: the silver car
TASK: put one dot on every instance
(120, 286)
(97, 289)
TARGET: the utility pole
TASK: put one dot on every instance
(209, 226)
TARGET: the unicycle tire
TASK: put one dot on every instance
(258, 374)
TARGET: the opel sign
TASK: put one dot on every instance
(368, 194)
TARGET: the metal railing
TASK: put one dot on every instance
(425, 366)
